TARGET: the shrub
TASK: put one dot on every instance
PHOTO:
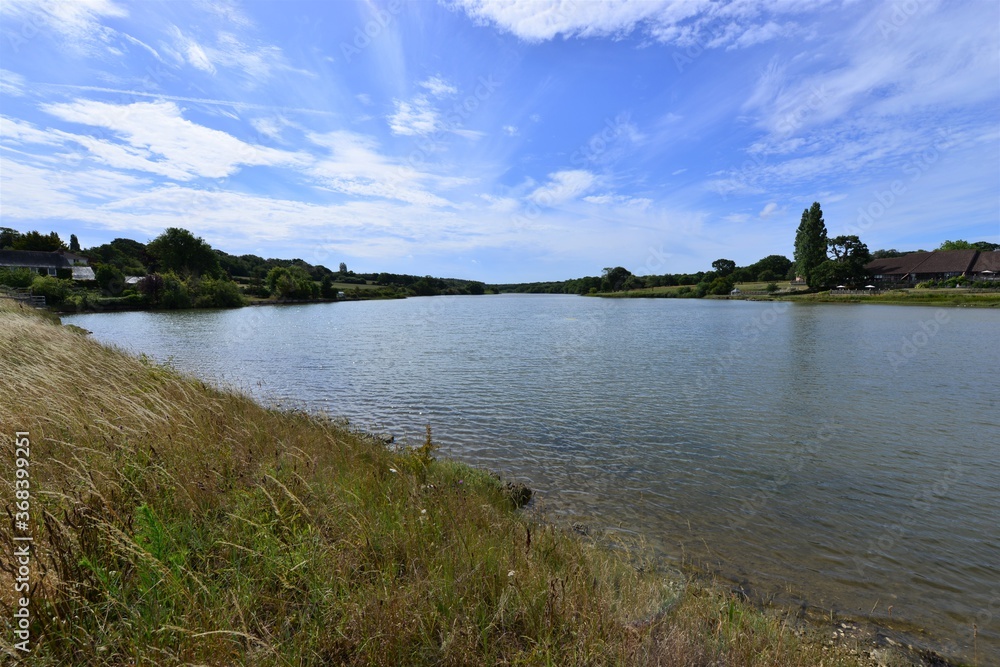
(218, 293)
(17, 277)
(53, 289)
(175, 293)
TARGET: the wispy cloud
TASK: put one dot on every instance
(235, 104)
(159, 140)
(563, 186)
(79, 24)
(416, 117)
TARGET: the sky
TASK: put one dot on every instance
(503, 141)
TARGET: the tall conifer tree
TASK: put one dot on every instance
(810, 243)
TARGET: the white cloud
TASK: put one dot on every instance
(769, 209)
(193, 52)
(439, 87)
(159, 140)
(18, 132)
(11, 83)
(510, 130)
(355, 167)
(78, 22)
(705, 23)
(619, 200)
(562, 187)
(364, 98)
(413, 118)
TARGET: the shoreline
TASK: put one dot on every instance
(942, 298)
(846, 638)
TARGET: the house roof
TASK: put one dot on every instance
(34, 259)
(938, 261)
(987, 261)
(948, 261)
(83, 273)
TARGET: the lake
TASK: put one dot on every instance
(839, 456)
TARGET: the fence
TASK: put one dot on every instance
(22, 294)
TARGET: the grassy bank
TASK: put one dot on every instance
(911, 297)
(178, 524)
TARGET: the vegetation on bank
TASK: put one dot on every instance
(175, 523)
(912, 297)
(178, 270)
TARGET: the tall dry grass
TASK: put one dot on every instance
(178, 524)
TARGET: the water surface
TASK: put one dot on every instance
(841, 456)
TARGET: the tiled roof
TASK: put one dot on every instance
(987, 261)
(33, 259)
(938, 261)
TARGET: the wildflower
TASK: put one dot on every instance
(393, 470)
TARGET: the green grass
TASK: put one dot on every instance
(178, 524)
(914, 297)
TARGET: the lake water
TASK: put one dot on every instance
(845, 457)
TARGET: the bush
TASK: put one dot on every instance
(218, 293)
(175, 293)
(53, 289)
(17, 277)
(291, 283)
(772, 288)
(110, 279)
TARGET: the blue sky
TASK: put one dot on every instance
(502, 141)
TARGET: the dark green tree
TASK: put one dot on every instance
(35, 241)
(847, 256)
(74, 243)
(613, 279)
(810, 243)
(343, 267)
(8, 237)
(110, 279)
(724, 267)
(778, 265)
(292, 282)
(181, 252)
(326, 288)
(966, 245)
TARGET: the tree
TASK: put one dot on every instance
(74, 243)
(984, 246)
(8, 237)
(326, 288)
(35, 241)
(810, 243)
(292, 282)
(721, 285)
(846, 263)
(110, 279)
(778, 265)
(724, 267)
(613, 279)
(343, 267)
(180, 251)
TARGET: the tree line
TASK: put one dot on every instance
(180, 270)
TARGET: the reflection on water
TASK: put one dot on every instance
(805, 448)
